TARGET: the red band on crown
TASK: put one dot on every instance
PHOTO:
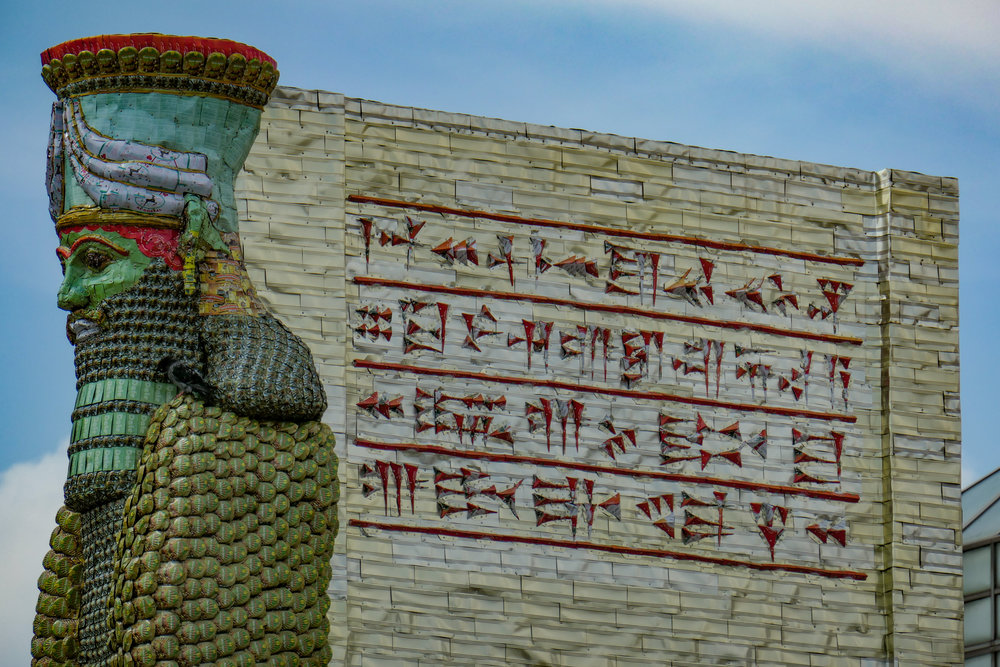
(161, 43)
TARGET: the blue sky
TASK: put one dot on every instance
(869, 85)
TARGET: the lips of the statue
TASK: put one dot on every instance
(83, 324)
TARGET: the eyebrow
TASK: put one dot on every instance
(65, 252)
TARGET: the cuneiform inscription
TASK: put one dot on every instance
(635, 356)
(626, 270)
(719, 378)
(571, 503)
(686, 440)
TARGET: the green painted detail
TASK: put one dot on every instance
(122, 389)
(223, 130)
(95, 270)
(103, 458)
(109, 423)
(293, 491)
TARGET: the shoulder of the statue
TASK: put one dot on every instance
(258, 367)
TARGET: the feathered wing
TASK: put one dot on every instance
(224, 553)
(56, 640)
(258, 367)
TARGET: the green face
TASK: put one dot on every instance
(97, 264)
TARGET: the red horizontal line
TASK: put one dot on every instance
(625, 472)
(609, 391)
(606, 308)
(609, 548)
(610, 231)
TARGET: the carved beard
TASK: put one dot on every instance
(124, 338)
(137, 328)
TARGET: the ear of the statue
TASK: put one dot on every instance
(198, 222)
(199, 235)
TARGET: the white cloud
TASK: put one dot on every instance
(950, 46)
(959, 26)
(30, 494)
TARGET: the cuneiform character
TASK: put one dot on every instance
(385, 475)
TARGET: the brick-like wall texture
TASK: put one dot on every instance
(609, 401)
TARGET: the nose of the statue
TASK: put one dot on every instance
(72, 295)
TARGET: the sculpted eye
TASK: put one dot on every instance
(96, 260)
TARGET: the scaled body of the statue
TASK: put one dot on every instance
(200, 501)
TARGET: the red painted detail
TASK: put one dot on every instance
(382, 406)
(733, 457)
(700, 424)
(733, 431)
(411, 482)
(383, 473)
(397, 475)
(366, 231)
(706, 456)
(413, 228)
(607, 391)
(443, 248)
(803, 477)
(545, 409)
(598, 469)
(707, 266)
(577, 408)
(412, 305)
(665, 526)
(606, 308)
(529, 335)
(374, 331)
(667, 419)
(463, 252)
(818, 532)
(613, 288)
(630, 379)
(444, 509)
(368, 403)
(833, 299)
(375, 313)
(152, 241)
(838, 535)
(161, 43)
(443, 313)
(608, 548)
(610, 231)
(611, 443)
(771, 536)
(578, 266)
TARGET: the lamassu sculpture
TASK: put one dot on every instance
(200, 501)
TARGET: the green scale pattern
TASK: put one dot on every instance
(224, 554)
